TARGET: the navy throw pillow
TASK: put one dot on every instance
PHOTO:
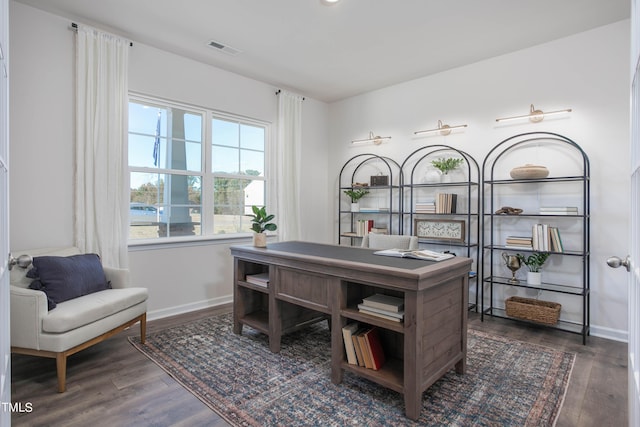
(37, 285)
(65, 278)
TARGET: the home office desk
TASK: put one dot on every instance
(309, 282)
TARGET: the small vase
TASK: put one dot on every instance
(260, 240)
(355, 207)
(445, 178)
(534, 278)
(432, 177)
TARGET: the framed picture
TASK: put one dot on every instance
(440, 229)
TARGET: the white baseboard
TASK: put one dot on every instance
(186, 308)
(610, 334)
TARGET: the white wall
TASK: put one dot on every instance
(587, 72)
(179, 278)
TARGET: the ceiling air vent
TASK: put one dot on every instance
(223, 48)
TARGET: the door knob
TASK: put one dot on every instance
(615, 262)
(23, 261)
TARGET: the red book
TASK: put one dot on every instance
(375, 348)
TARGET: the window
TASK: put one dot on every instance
(181, 186)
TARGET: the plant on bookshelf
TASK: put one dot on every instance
(355, 195)
(534, 262)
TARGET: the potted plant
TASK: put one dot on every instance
(355, 195)
(534, 262)
(261, 223)
(446, 165)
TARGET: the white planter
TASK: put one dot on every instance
(445, 178)
(534, 278)
(260, 240)
(432, 177)
(355, 207)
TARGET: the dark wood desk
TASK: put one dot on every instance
(309, 282)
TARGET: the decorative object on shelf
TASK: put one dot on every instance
(534, 115)
(544, 312)
(441, 129)
(513, 263)
(534, 262)
(440, 229)
(261, 223)
(356, 195)
(446, 165)
(379, 180)
(375, 139)
(508, 210)
(359, 184)
(529, 171)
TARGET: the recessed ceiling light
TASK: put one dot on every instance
(329, 2)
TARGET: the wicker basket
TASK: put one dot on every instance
(544, 312)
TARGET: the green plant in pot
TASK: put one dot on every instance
(356, 194)
(534, 263)
(261, 222)
(445, 166)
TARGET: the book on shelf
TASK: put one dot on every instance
(383, 314)
(425, 207)
(423, 254)
(446, 203)
(374, 348)
(347, 334)
(261, 279)
(546, 238)
(366, 353)
(384, 302)
(356, 346)
(363, 227)
(558, 210)
(379, 230)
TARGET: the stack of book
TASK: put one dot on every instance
(446, 203)
(425, 207)
(363, 346)
(558, 210)
(519, 242)
(383, 306)
(261, 279)
(379, 230)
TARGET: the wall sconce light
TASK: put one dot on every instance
(534, 115)
(442, 129)
(376, 139)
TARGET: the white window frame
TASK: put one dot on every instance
(206, 173)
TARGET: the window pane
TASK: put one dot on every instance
(193, 127)
(144, 119)
(150, 216)
(233, 198)
(252, 137)
(141, 150)
(225, 160)
(225, 133)
(252, 162)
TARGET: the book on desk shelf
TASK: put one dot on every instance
(384, 302)
(374, 348)
(366, 353)
(347, 334)
(395, 316)
(424, 254)
(356, 347)
(261, 279)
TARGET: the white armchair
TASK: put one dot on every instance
(75, 324)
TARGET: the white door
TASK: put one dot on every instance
(633, 261)
(5, 337)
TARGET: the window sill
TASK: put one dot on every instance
(177, 242)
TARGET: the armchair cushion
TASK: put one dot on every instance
(65, 278)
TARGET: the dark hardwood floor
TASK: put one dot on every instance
(113, 384)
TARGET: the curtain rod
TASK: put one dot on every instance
(278, 93)
(74, 27)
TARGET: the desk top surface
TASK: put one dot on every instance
(345, 253)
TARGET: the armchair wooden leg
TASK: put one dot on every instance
(61, 366)
(143, 327)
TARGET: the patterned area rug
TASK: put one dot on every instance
(508, 382)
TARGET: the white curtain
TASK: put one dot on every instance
(101, 175)
(286, 179)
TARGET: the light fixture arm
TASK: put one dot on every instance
(534, 115)
(441, 129)
(376, 139)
